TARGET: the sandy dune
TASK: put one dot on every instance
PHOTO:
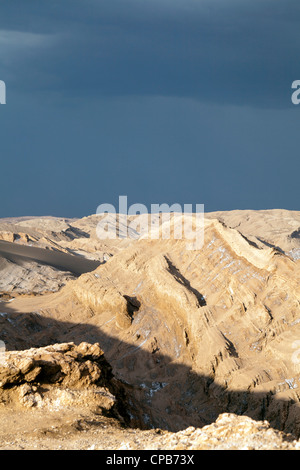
(61, 261)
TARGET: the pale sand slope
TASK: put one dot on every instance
(59, 260)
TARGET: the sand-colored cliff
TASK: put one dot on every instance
(190, 334)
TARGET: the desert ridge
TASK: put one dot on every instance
(190, 335)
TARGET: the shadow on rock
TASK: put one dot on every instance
(159, 392)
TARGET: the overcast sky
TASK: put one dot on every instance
(165, 101)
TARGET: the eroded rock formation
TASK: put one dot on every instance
(190, 334)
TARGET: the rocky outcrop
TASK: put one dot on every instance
(59, 376)
(228, 432)
(104, 296)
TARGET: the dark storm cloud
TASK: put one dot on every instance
(137, 97)
(214, 51)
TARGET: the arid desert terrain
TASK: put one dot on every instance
(136, 343)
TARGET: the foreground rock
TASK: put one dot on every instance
(229, 432)
(56, 377)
